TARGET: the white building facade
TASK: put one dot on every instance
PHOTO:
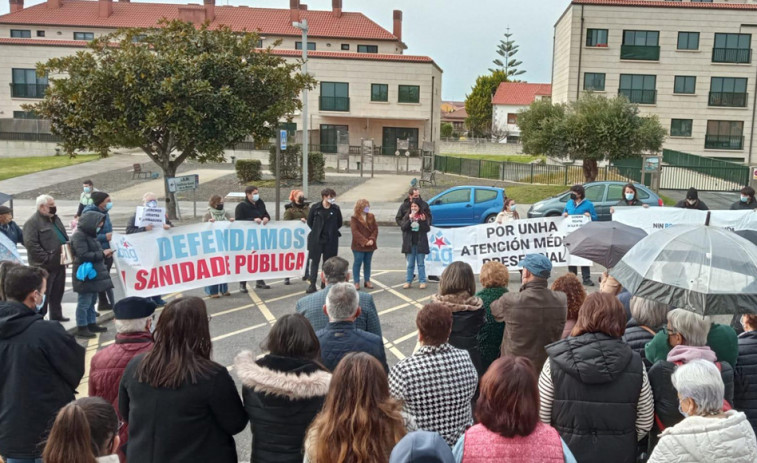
(509, 99)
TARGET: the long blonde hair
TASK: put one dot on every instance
(360, 205)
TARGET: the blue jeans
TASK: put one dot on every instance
(364, 259)
(415, 258)
(217, 289)
(85, 309)
(23, 460)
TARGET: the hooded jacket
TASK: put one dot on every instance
(282, 396)
(102, 235)
(87, 248)
(468, 316)
(745, 377)
(422, 446)
(40, 367)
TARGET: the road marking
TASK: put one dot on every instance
(402, 306)
(399, 294)
(243, 330)
(91, 350)
(406, 337)
(393, 349)
(262, 307)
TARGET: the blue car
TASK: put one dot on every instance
(466, 205)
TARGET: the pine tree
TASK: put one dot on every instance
(507, 49)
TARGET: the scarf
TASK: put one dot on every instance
(686, 354)
(218, 216)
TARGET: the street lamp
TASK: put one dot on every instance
(303, 26)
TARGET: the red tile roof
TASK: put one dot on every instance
(519, 93)
(265, 20)
(668, 4)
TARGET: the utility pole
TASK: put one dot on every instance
(303, 26)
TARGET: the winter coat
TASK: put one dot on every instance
(637, 337)
(131, 225)
(666, 396)
(405, 208)
(249, 210)
(490, 335)
(543, 445)
(700, 439)
(362, 232)
(597, 383)
(324, 233)
(745, 377)
(106, 228)
(193, 423)
(421, 446)
(739, 206)
(468, 316)
(282, 396)
(86, 248)
(219, 216)
(534, 317)
(294, 211)
(340, 338)
(311, 306)
(40, 368)
(721, 339)
(699, 205)
(422, 234)
(13, 232)
(107, 369)
(42, 241)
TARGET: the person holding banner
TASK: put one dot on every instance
(297, 209)
(508, 213)
(324, 220)
(692, 201)
(149, 201)
(216, 213)
(415, 227)
(252, 209)
(630, 198)
(579, 205)
(746, 200)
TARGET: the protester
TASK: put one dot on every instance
(576, 294)
(364, 234)
(507, 416)
(456, 290)
(41, 365)
(579, 205)
(199, 407)
(341, 336)
(252, 209)
(421, 447)
(324, 220)
(90, 276)
(692, 201)
(508, 213)
(84, 431)
(148, 200)
(134, 325)
(746, 200)
(415, 227)
(708, 433)
(494, 278)
(647, 318)
(311, 306)
(687, 333)
(101, 202)
(5, 266)
(745, 374)
(437, 383)
(44, 237)
(535, 316)
(593, 381)
(217, 213)
(630, 198)
(10, 228)
(297, 209)
(284, 390)
(413, 195)
(85, 198)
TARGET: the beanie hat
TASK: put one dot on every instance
(692, 193)
(98, 197)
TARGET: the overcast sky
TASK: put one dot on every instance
(461, 36)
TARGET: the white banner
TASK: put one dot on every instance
(734, 220)
(155, 216)
(658, 218)
(506, 243)
(194, 256)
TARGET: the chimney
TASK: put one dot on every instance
(294, 10)
(303, 7)
(16, 5)
(106, 8)
(54, 4)
(336, 8)
(398, 24)
(194, 14)
(210, 10)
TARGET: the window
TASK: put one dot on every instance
(481, 196)
(25, 115)
(596, 37)
(728, 91)
(594, 81)
(298, 46)
(40, 33)
(685, 84)
(640, 45)
(26, 84)
(335, 96)
(379, 92)
(290, 127)
(512, 118)
(595, 193)
(638, 88)
(732, 48)
(391, 134)
(367, 48)
(345, 47)
(454, 197)
(724, 135)
(681, 127)
(84, 35)
(688, 40)
(409, 94)
(21, 34)
(332, 135)
(259, 44)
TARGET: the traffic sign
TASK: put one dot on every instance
(185, 183)
(283, 137)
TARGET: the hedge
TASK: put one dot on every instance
(248, 170)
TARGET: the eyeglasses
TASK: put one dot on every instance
(669, 331)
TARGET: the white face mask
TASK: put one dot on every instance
(332, 200)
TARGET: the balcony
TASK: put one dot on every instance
(731, 99)
(724, 142)
(28, 90)
(640, 52)
(639, 96)
(334, 103)
(731, 55)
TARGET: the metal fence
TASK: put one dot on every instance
(684, 170)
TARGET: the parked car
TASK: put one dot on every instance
(466, 205)
(604, 195)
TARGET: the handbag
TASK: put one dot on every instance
(66, 256)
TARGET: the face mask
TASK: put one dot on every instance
(512, 206)
(366, 209)
(629, 196)
(680, 410)
(97, 230)
(152, 203)
(573, 196)
(109, 206)
(744, 199)
(87, 189)
(691, 201)
(255, 197)
(300, 201)
(39, 306)
(332, 200)
(53, 210)
(219, 206)
(152, 327)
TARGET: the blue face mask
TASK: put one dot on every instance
(41, 304)
(87, 189)
(109, 206)
(744, 198)
(152, 203)
(512, 206)
(255, 197)
(629, 196)
(97, 230)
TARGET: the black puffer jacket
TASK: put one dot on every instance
(281, 395)
(745, 377)
(86, 248)
(637, 337)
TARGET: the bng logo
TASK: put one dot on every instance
(126, 251)
(440, 249)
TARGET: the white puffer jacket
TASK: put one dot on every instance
(708, 440)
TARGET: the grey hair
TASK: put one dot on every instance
(342, 301)
(700, 381)
(648, 312)
(149, 194)
(131, 326)
(42, 200)
(694, 328)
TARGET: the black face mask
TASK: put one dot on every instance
(300, 201)
(573, 196)
(53, 210)
(219, 206)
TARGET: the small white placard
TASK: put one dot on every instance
(155, 216)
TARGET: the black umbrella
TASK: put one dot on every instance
(750, 235)
(603, 242)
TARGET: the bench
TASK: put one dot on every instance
(138, 172)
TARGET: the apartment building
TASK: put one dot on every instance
(367, 86)
(509, 99)
(689, 62)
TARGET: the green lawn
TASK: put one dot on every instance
(15, 167)
(530, 194)
(521, 158)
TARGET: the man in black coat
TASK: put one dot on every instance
(40, 365)
(252, 209)
(692, 201)
(324, 220)
(414, 193)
